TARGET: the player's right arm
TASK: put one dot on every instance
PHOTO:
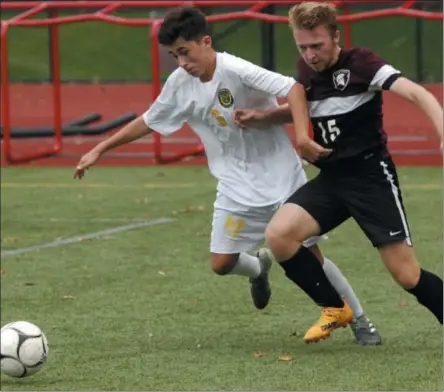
(307, 147)
(166, 115)
(136, 129)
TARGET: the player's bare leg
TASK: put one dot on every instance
(255, 267)
(285, 234)
(399, 258)
(288, 229)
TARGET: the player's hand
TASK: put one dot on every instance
(310, 150)
(86, 161)
(244, 117)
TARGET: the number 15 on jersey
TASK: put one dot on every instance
(329, 131)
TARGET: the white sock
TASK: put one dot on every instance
(340, 283)
(247, 265)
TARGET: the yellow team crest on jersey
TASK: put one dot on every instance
(216, 114)
(225, 97)
(234, 226)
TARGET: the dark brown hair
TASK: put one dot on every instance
(188, 23)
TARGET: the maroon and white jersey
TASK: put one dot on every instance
(345, 103)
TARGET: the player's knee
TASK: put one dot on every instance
(282, 240)
(400, 260)
(409, 278)
(283, 234)
(276, 236)
(222, 264)
(407, 273)
(220, 268)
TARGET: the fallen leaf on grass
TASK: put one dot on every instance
(258, 355)
(403, 303)
(143, 201)
(285, 358)
(10, 240)
(188, 209)
(161, 273)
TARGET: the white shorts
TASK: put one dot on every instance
(238, 228)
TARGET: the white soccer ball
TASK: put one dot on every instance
(24, 349)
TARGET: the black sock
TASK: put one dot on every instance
(306, 271)
(429, 292)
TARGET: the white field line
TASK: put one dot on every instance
(78, 238)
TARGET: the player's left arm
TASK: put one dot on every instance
(418, 95)
(261, 79)
(272, 83)
(382, 76)
(279, 85)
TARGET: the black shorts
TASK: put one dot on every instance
(364, 188)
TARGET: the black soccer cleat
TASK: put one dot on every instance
(365, 332)
(260, 286)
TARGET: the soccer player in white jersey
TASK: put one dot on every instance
(257, 169)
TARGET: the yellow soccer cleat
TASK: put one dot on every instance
(331, 319)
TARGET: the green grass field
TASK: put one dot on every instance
(142, 310)
(101, 51)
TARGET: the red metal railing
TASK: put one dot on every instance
(106, 8)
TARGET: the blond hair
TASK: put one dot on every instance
(309, 15)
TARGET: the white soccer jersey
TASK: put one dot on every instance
(254, 166)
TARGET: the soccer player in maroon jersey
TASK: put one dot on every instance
(357, 178)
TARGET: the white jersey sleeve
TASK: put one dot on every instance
(259, 78)
(169, 111)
